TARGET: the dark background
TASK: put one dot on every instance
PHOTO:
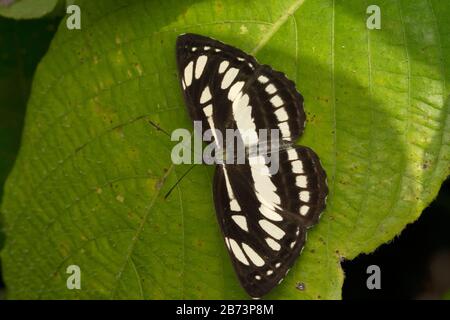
(415, 265)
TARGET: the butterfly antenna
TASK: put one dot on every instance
(178, 181)
(157, 127)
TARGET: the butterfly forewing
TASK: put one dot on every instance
(207, 68)
(263, 214)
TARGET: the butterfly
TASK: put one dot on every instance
(263, 216)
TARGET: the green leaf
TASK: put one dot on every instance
(88, 187)
(28, 9)
(22, 44)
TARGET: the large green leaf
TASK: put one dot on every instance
(22, 44)
(88, 186)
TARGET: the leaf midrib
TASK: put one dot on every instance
(277, 25)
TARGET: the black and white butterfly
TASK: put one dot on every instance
(264, 217)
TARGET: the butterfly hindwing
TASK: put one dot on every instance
(264, 218)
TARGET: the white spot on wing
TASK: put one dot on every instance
(208, 110)
(188, 73)
(253, 256)
(270, 89)
(269, 272)
(237, 252)
(206, 95)
(273, 244)
(297, 166)
(235, 89)
(292, 154)
(304, 196)
(227, 241)
(241, 221)
(304, 210)
(234, 205)
(200, 66)
(228, 78)
(284, 128)
(269, 213)
(271, 229)
(281, 114)
(276, 101)
(263, 79)
(301, 181)
(242, 113)
(223, 66)
(265, 202)
(263, 184)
